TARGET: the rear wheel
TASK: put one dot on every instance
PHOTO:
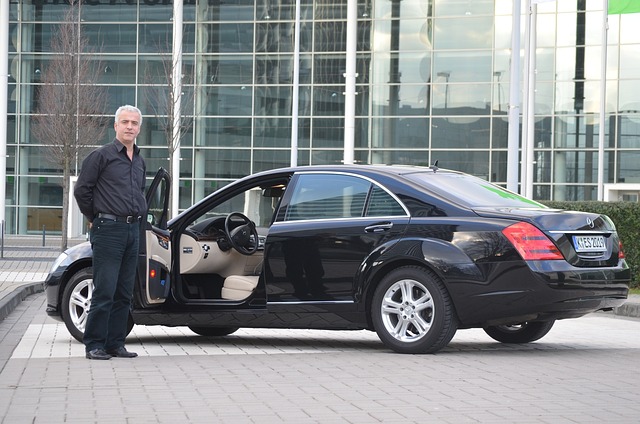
(213, 331)
(76, 301)
(412, 311)
(525, 332)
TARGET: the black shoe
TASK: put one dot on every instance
(98, 354)
(121, 352)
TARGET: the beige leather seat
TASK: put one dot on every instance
(238, 287)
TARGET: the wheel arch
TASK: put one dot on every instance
(386, 268)
(72, 270)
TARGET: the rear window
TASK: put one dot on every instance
(471, 191)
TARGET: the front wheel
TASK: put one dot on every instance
(412, 311)
(76, 301)
(525, 332)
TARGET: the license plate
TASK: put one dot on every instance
(589, 243)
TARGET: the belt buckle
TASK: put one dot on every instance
(130, 219)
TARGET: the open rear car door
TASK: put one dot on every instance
(154, 261)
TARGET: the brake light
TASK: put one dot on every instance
(531, 243)
(152, 273)
(620, 251)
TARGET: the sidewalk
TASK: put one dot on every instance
(27, 259)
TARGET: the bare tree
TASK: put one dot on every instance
(69, 103)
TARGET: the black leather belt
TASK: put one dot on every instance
(128, 219)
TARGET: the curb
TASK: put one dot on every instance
(13, 299)
(629, 309)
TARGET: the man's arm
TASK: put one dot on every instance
(87, 180)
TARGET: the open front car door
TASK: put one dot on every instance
(154, 262)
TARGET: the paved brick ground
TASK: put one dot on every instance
(584, 371)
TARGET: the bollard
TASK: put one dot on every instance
(2, 239)
(43, 236)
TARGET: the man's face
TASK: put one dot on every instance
(128, 127)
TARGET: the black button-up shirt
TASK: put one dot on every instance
(111, 183)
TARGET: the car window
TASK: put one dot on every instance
(471, 191)
(328, 196)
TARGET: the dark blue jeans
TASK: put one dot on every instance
(115, 256)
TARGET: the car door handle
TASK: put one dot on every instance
(378, 228)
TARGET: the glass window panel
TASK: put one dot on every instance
(542, 166)
(578, 97)
(628, 170)
(38, 160)
(231, 163)
(36, 38)
(304, 132)
(499, 167)
(43, 11)
(330, 10)
(226, 101)
(462, 7)
(155, 38)
(274, 37)
(629, 61)
(328, 101)
(402, 35)
(629, 24)
(460, 133)
(576, 132)
(502, 37)
(270, 159)
(228, 38)
(235, 10)
(226, 69)
(326, 157)
(545, 64)
(363, 68)
(306, 63)
(408, 100)
(274, 69)
(106, 38)
(576, 166)
(272, 132)
(328, 69)
(155, 159)
(500, 132)
(330, 36)
(471, 162)
(223, 132)
(400, 133)
(361, 133)
(629, 131)
(400, 157)
(468, 33)
(189, 39)
(272, 101)
(118, 69)
(629, 96)
(566, 28)
(153, 132)
(546, 30)
(460, 99)
(328, 132)
(463, 66)
(406, 67)
(101, 11)
(13, 37)
(157, 10)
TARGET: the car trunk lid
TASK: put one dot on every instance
(584, 239)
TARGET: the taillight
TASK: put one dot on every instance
(620, 251)
(531, 243)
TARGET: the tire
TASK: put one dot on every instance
(525, 332)
(76, 301)
(412, 312)
(213, 331)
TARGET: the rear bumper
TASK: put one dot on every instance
(540, 291)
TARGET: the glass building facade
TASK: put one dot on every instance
(432, 83)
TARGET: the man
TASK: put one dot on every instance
(110, 194)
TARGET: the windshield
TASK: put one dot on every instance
(471, 191)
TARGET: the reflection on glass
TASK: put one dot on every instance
(460, 133)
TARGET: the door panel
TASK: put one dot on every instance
(155, 246)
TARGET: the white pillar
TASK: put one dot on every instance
(4, 91)
(514, 102)
(603, 100)
(177, 97)
(350, 82)
(295, 88)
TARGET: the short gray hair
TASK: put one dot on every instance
(128, 108)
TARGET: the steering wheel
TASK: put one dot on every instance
(240, 236)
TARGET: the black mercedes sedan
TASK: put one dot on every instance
(412, 253)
